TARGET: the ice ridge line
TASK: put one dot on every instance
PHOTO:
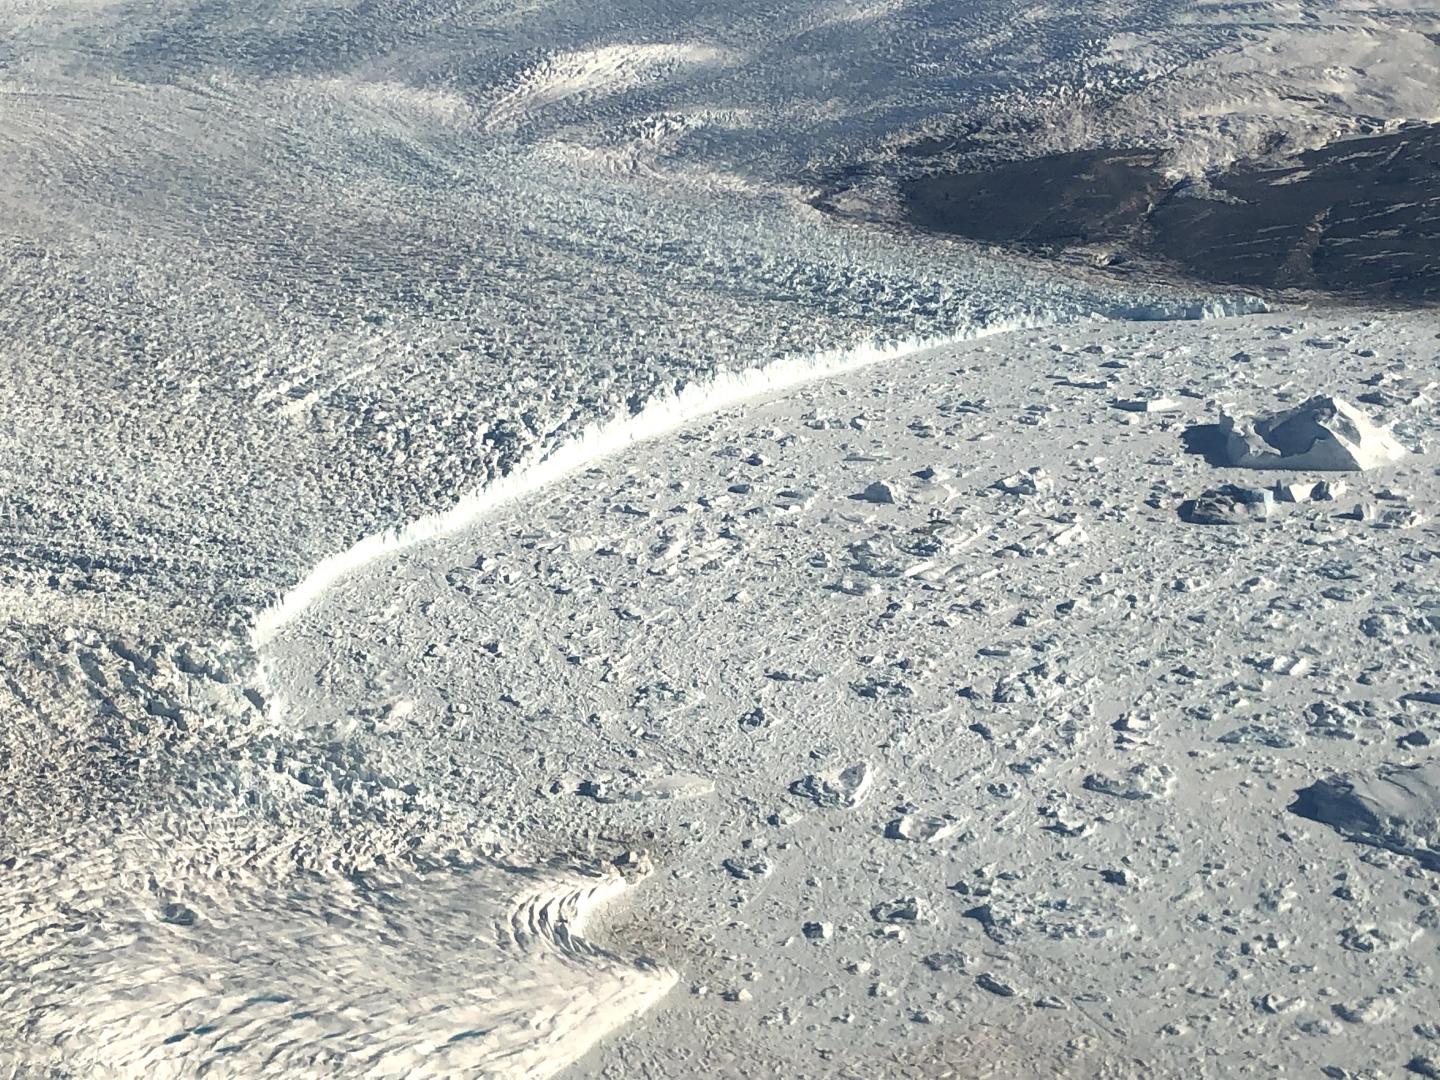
(669, 411)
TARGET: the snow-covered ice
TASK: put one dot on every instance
(1058, 733)
(497, 580)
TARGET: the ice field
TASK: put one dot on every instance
(433, 472)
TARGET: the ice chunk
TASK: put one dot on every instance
(1325, 433)
(884, 492)
(1229, 505)
(839, 788)
(1398, 808)
(920, 828)
(1295, 491)
(1034, 481)
(1146, 404)
(905, 909)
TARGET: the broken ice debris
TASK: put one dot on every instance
(902, 910)
(948, 962)
(1278, 1004)
(995, 985)
(1370, 1010)
(1398, 809)
(1325, 433)
(754, 719)
(1229, 505)
(919, 828)
(645, 788)
(1294, 492)
(932, 493)
(1399, 518)
(746, 867)
(1144, 781)
(1028, 483)
(884, 492)
(837, 788)
(1146, 404)
(633, 865)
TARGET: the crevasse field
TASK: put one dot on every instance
(496, 580)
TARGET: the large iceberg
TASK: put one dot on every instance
(1325, 433)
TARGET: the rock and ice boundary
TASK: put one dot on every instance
(668, 412)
